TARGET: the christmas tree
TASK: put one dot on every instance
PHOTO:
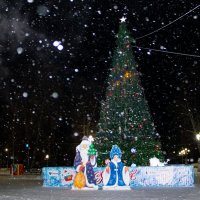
(125, 119)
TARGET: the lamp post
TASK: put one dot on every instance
(198, 139)
(47, 159)
(27, 148)
(13, 153)
(7, 156)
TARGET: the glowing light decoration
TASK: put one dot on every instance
(133, 150)
(127, 74)
(184, 152)
(117, 83)
(123, 19)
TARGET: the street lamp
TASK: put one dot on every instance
(198, 141)
(198, 136)
(27, 148)
(47, 159)
(7, 156)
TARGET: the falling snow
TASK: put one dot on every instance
(25, 94)
(55, 95)
(20, 50)
(55, 58)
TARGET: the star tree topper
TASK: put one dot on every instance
(123, 19)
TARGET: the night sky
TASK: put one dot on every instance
(55, 58)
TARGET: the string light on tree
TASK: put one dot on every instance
(127, 74)
(117, 83)
(133, 150)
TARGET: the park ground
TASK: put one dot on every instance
(29, 187)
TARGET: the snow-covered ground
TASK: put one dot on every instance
(28, 188)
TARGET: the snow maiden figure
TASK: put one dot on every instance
(116, 175)
(84, 162)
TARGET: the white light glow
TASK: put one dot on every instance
(60, 47)
(56, 43)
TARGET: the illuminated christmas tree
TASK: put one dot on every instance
(125, 119)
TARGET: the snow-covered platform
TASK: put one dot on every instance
(167, 176)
